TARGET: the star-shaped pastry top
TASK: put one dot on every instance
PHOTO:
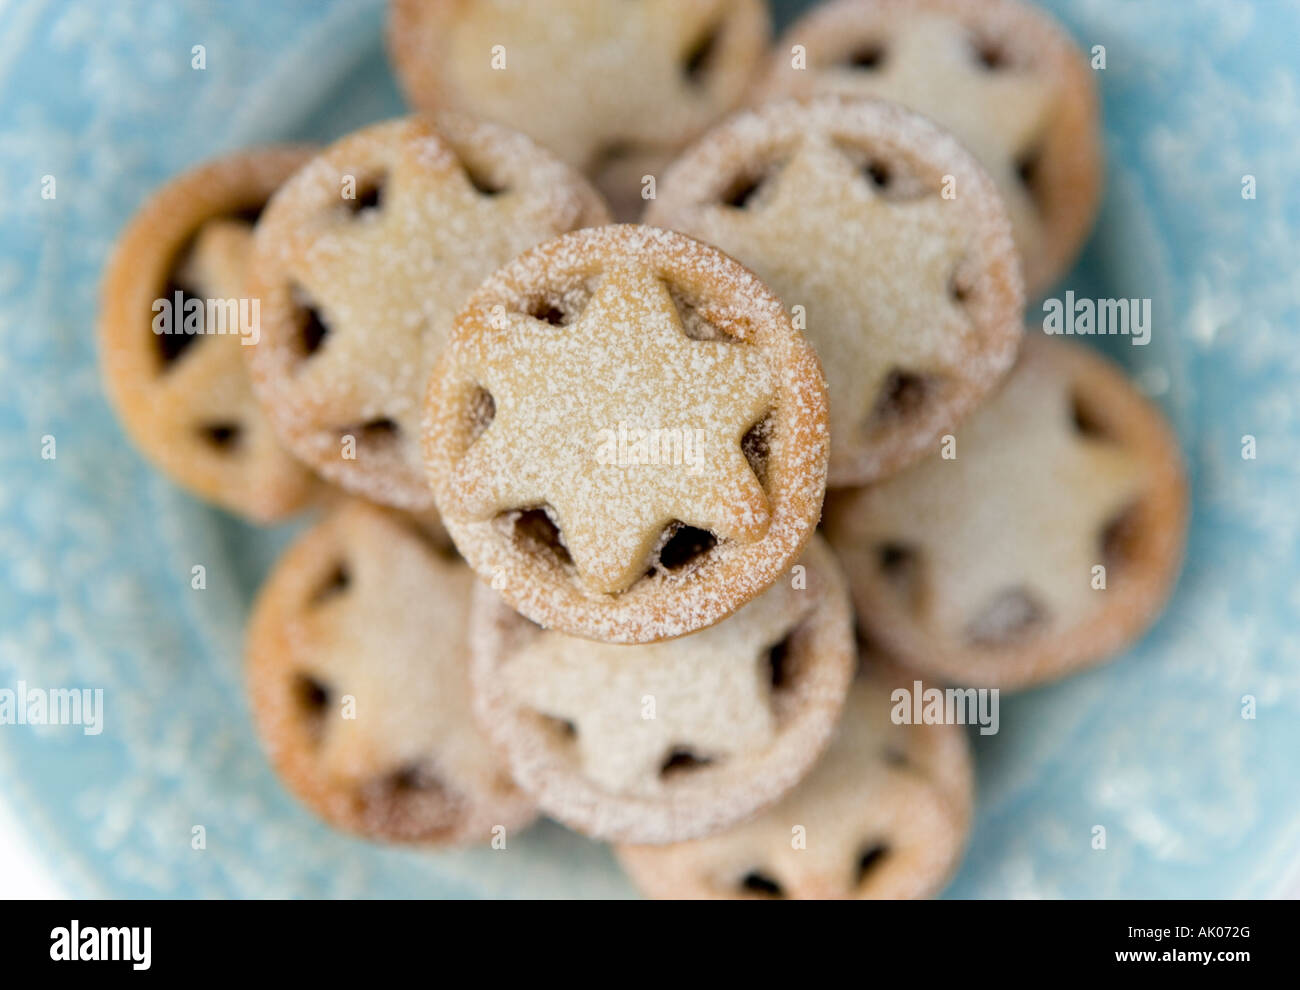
(208, 385)
(186, 398)
(565, 396)
(902, 789)
(1020, 508)
(217, 264)
(216, 384)
(929, 65)
(392, 636)
(710, 691)
(621, 80)
(872, 271)
(387, 280)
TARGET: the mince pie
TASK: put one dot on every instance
(362, 261)
(1047, 542)
(1001, 75)
(882, 235)
(626, 435)
(884, 814)
(359, 683)
(671, 740)
(615, 88)
(176, 313)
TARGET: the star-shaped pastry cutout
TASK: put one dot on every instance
(1000, 115)
(620, 82)
(408, 678)
(217, 264)
(1020, 508)
(711, 691)
(387, 281)
(214, 387)
(877, 297)
(566, 397)
(875, 785)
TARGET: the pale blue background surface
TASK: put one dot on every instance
(96, 548)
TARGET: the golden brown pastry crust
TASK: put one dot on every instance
(616, 329)
(358, 297)
(890, 239)
(979, 569)
(884, 814)
(364, 606)
(1000, 74)
(756, 696)
(195, 416)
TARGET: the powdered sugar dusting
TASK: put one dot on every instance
(709, 694)
(585, 79)
(370, 612)
(629, 362)
(892, 275)
(1000, 74)
(906, 789)
(1021, 509)
(456, 198)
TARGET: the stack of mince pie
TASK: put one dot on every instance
(641, 525)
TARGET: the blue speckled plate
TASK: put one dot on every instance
(97, 548)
